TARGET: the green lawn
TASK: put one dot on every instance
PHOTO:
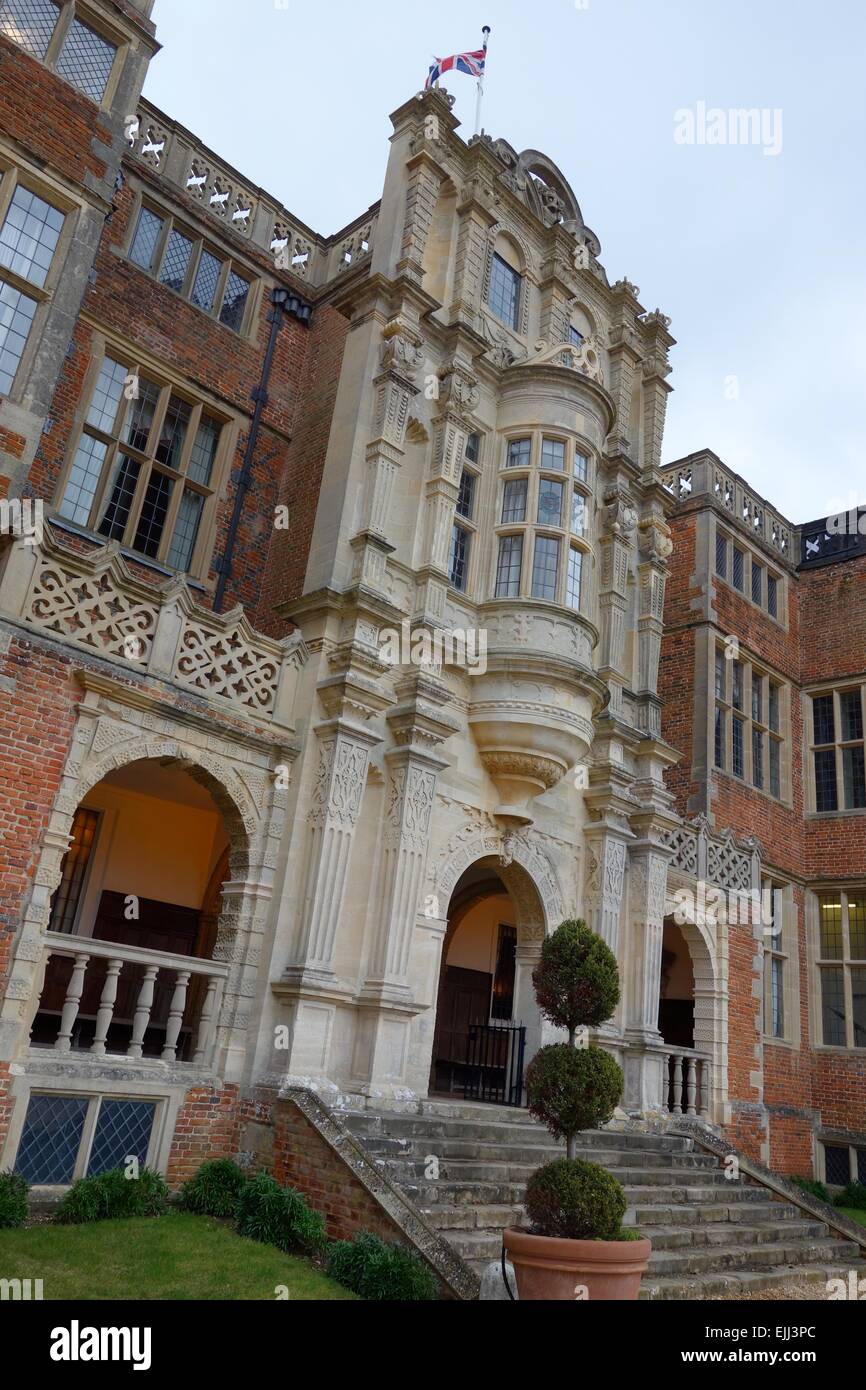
(854, 1214)
(172, 1257)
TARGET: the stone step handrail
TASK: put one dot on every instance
(83, 950)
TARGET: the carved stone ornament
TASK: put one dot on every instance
(401, 354)
(459, 390)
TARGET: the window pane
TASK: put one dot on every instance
(139, 419)
(176, 261)
(544, 567)
(509, 566)
(824, 719)
(720, 739)
(757, 758)
(574, 335)
(519, 452)
(106, 396)
(777, 997)
(757, 697)
(29, 23)
(757, 583)
(473, 447)
(773, 713)
(173, 433)
(721, 555)
(553, 454)
(153, 514)
(575, 577)
(29, 236)
(826, 797)
(204, 451)
(858, 1004)
(721, 672)
(466, 495)
(775, 766)
(738, 685)
(458, 566)
(147, 234)
(118, 505)
(16, 317)
(550, 496)
(857, 928)
(52, 1134)
(206, 281)
(235, 301)
(772, 596)
(504, 298)
(514, 501)
(861, 1166)
(83, 481)
(854, 776)
(852, 715)
(581, 466)
(737, 747)
(738, 569)
(830, 910)
(578, 513)
(837, 1165)
(186, 530)
(64, 904)
(122, 1131)
(833, 1006)
(86, 60)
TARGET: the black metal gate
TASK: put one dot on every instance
(494, 1063)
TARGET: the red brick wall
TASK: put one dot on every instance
(208, 1127)
(47, 117)
(677, 664)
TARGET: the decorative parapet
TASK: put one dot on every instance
(178, 157)
(94, 602)
(705, 475)
(702, 854)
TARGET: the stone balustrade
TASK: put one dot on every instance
(93, 601)
(90, 997)
(177, 156)
(686, 1082)
(705, 475)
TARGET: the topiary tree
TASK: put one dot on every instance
(573, 1088)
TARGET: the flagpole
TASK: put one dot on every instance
(486, 33)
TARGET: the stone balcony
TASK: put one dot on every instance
(94, 602)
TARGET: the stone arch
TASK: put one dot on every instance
(711, 1005)
(523, 867)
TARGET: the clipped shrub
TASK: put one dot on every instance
(575, 1200)
(13, 1200)
(854, 1196)
(816, 1189)
(214, 1190)
(279, 1216)
(570, 1089)
(377, 1271)
(112, 1196)
(577, 980)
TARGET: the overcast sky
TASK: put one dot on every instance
(759, 259)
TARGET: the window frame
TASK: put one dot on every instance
(726, 713)
(472, 467)
(846, 962)
(536, 469)
(12, 176)
(169, 386)
(839, 745)
(727, 545)
(69, 10)
(777, 951)
(94, 1101)
(201, 243)
(496, 259)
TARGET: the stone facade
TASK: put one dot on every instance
(434, 642)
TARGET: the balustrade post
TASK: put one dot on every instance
(206, 1023)
(72, 1002)
(175, 1016)
(142, 1011)
(705, 1089)
(691, 1085)
(678, 1085)
(105, 1012)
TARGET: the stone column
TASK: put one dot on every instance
(648, 869)
(606, 856)
(458, 397)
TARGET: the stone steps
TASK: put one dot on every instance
(710, 1236)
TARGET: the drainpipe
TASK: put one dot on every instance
(284, 304)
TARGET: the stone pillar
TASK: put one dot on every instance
(648, 869)
(606, 855)
(458, 397)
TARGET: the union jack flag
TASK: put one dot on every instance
(470, 63)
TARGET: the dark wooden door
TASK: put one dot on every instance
(464, 998)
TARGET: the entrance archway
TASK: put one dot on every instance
(693, 1019)
(149, 853)
(487, 1022)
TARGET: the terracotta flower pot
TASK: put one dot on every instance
(547, 1268)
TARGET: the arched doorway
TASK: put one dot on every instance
(148, 857)
(677, 993)
(487, 1025)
